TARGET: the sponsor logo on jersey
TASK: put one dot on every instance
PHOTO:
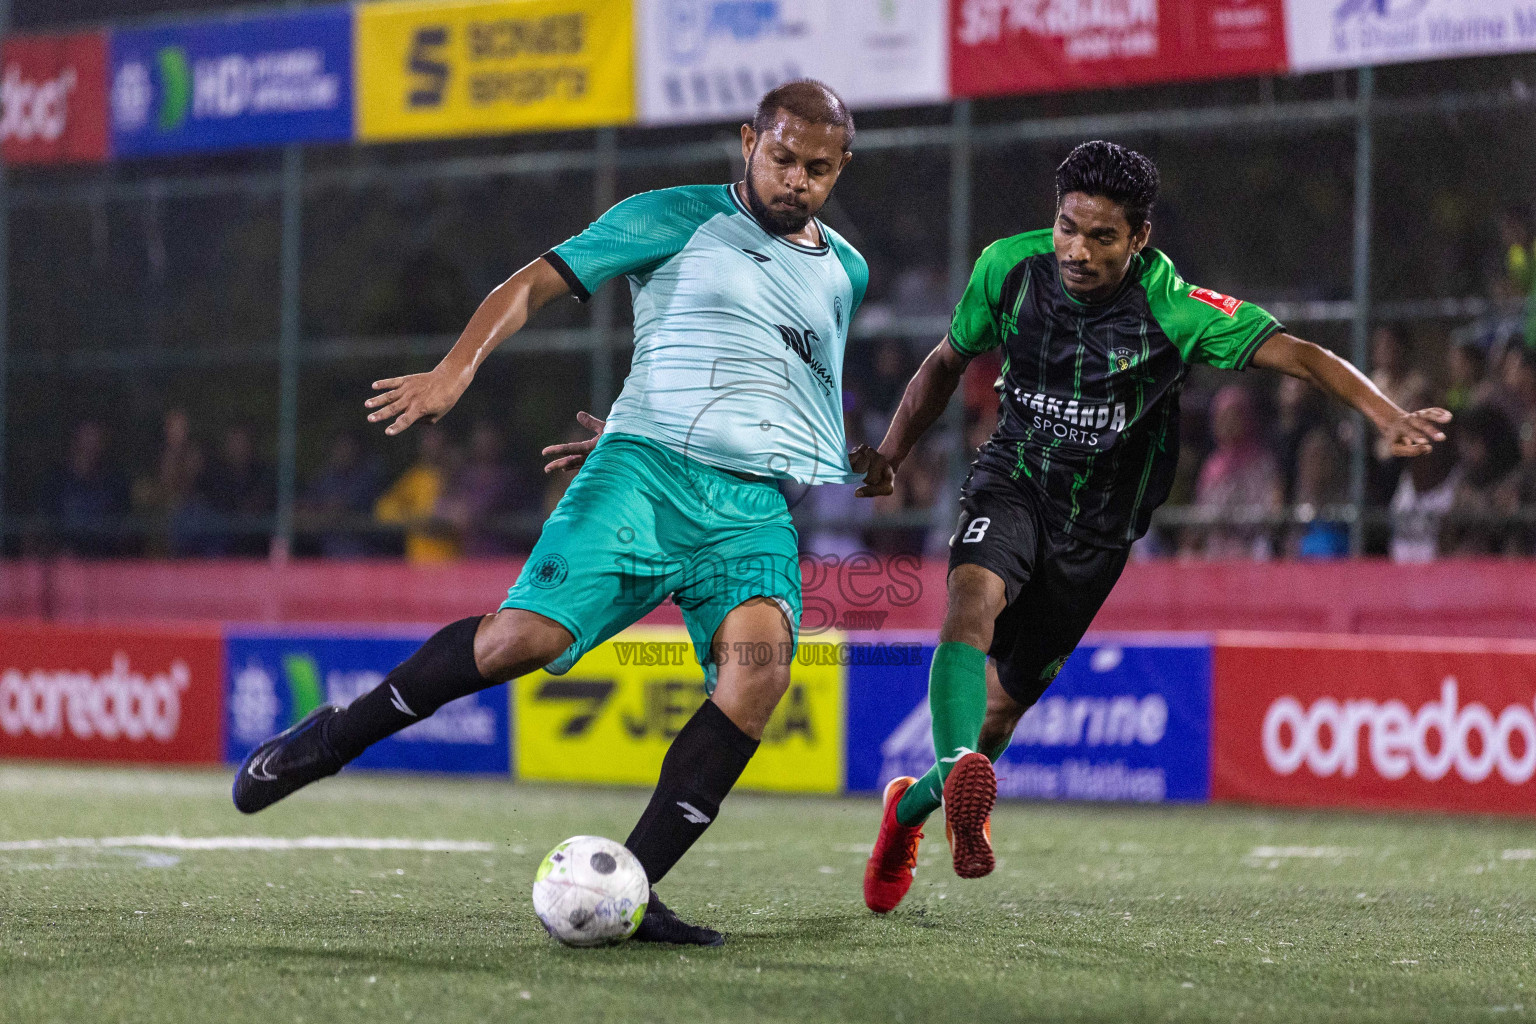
(799, 341)
(550, 572)
(1226, 303)
(1071, 420)
(757, 256)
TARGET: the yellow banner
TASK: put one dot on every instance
(612, 717)
(430, 70)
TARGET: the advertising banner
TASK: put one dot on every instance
(105, 694)
(1326, 34)
(1028, 46)
(1127, 719)
(223, 84)
(1356, 722)
(612, 717)
(431, 70)
(53, 99)
(703, 60)
(276, 678)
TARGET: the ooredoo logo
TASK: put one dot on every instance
(1332, 737)
(119, 703)
(32, 109)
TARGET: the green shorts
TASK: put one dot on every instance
(642, 522)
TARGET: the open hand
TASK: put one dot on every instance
(419, 396)
(568, 457)
(879, 474)
(1416, 433)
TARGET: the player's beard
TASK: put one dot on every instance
(777, 222)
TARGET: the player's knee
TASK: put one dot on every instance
(514, 642)
(974, 604)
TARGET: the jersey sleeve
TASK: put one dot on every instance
(853, 265)
(635, 236)
(1204, 325)
(974, 328)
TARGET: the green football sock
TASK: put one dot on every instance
(957, 699)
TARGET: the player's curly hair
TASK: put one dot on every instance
(1118, 174)
(809, 100)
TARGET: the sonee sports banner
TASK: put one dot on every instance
(434, 70)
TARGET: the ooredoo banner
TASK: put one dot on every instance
(1127, 718)
(611, 718)
(105, 694)
(432, 70)
(53, 98)
(708, 59)
(221, 84)
(277, 677)
(1027, 46)
(1352, 722)
(1326, 34)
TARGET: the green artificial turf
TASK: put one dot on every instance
(1096, 913)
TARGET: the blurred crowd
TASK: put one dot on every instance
(1264, 470)
(455, 499)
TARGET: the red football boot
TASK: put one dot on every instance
(969, 793)
(893, 861)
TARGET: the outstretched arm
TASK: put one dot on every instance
(1408, 433)
(430, 395)
(923, 402)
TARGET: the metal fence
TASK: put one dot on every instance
(974, 150)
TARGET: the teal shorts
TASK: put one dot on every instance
(641, 522)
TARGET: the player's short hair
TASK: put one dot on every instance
(1120, 175)
(809, 100)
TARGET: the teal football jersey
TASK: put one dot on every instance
(739, 333)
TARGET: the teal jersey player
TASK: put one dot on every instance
(739, 333)
(742, 302)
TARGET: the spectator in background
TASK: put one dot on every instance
(1517, 494)
(1400, 382)
(87, 497)
(1488, 451)
(883, 388)
(1424, 495)
(1239, 479)
(1466, 370)
(346, 486)
(1300, 412)
(241, 495)
(1517, 230)
(169, 494)
(483, 489)
(838, 519)
(1321, 483)
(411, 500)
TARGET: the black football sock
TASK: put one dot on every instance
(442, 670)
(701, 766)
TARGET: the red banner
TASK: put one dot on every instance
(103, 694)
(1354, 722)
(1031, 46)
(53, 99)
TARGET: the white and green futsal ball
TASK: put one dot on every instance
(590, 891)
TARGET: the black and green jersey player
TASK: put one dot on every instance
(1098, 332)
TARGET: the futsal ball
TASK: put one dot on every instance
(590, 891)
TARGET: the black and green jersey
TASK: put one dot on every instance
(1090, 393)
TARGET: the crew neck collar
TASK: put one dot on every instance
(809, 250)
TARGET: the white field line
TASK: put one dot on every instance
(1519, 855)
(250, 843)
(1301, 852)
